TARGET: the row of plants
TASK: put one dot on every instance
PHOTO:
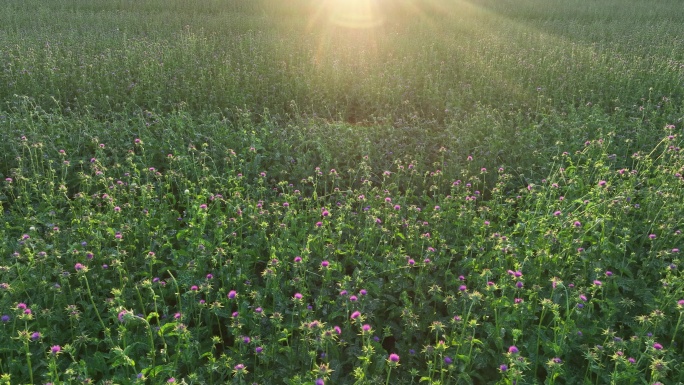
(139, 266)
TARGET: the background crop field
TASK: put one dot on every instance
(503, 79)
(296, 191)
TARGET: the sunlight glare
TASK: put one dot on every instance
(355, 14)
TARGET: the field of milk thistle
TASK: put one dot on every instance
(467, 192)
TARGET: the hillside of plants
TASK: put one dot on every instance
(311, 192)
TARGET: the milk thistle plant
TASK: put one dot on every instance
(243, 203)
(263, 291)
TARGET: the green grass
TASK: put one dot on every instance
(489, 173)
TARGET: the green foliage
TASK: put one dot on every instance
(253, 192)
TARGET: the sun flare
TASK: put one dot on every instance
(357, 14)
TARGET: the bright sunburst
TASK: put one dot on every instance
(354, 13)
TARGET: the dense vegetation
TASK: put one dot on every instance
(298, 192)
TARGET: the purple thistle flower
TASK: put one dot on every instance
(325, 264)
(79, 267)
(366, 327)
(503, 367)
(448, 360)
(5, 318)
(355, 315)
(298, 296)
(394, 357)
(35, 336)
(319, 381)
(657, 346)
(598, 283)
(55, 349)
(232, 294)
(513, 349)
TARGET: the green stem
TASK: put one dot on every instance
(441, 367)
(53, 367)
(389, 372)
(156, 311)
(151, 340)
(97, 312)
(28, 360)
(674, 333)
(536, 352)
(465, 322)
